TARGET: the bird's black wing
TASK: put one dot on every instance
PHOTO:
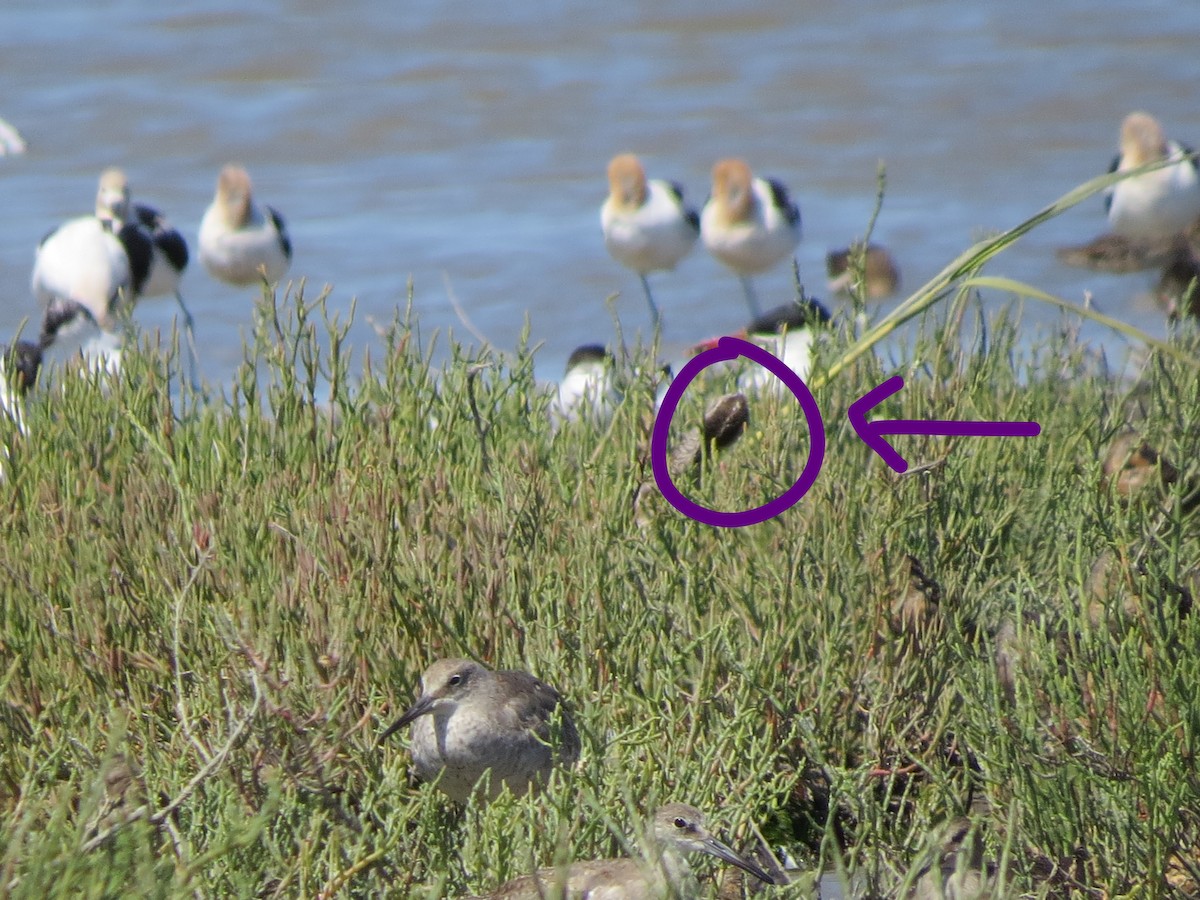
(690, 214)
(23, 359)
(286, 241)
(779, 196)
(139, 249)
(165, 238)
(1116, 164)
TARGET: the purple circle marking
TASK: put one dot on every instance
(730, 348)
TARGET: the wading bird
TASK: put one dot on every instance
(91, 268)
(242, 243)
(1154, 206)
(647, 226)
(749, 224)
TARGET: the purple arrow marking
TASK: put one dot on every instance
(872, 432)
(729, 348)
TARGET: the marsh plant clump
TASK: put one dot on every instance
(213, 606)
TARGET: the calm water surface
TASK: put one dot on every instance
(465, 144)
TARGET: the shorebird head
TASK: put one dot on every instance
(880, 275)
(683, 828)
(234, 195)
(1142, 140)
(443, 686)
(589, 358)
(112, 196)
(775, 323)
(61, 316)
(803, 313)
(731, 190)
(627, 182)
(23, 360)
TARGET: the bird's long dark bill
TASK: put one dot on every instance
(418, 709)
(720, 850)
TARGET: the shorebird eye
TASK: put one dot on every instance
(454, 680)
(680, 822)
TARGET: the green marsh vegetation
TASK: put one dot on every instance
(211, 609)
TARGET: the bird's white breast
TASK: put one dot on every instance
(585, 392)
(1156, 205)
(82, 261)
(755, 245)
(235, 255)
(651, 238)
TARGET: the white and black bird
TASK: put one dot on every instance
(242, 243)
(1154, 206)
(22, 361)
(586, 392)
(90, 268)
(646, 224)
(168, 259)
(749, 224)
(788, 333)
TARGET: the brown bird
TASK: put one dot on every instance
(1131, 464)
(880, 276)
(470, 721)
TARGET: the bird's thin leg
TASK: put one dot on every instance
(751, 298)
(190, 335)
(655, 316)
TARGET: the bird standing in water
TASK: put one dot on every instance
(749, 224)
(647, 226)
(242, 243)
(1154, 206)
(91, 266)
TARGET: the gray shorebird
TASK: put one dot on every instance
(470, 721)
(678, 829)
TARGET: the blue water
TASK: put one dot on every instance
(461, 143)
